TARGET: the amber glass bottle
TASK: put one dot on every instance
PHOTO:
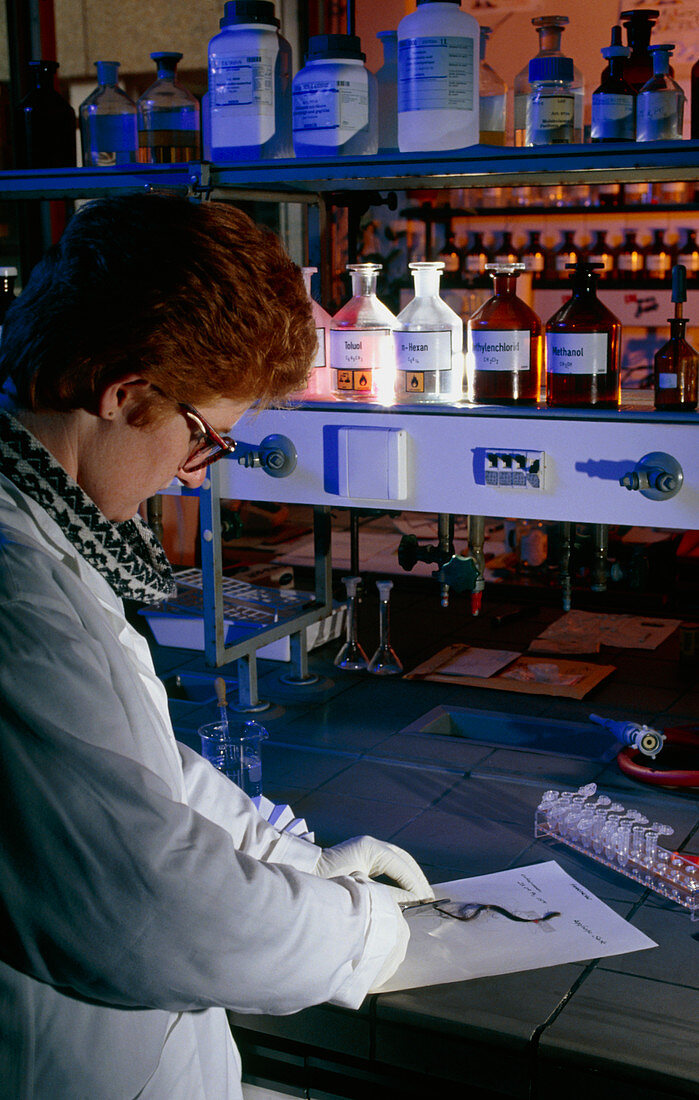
(599, 253)
(677, 363)
(566, 253)
(638, 66)
(583, 347)
(536, 258)
(46, 130)
(503, 363)
(628, 260)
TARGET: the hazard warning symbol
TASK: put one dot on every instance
(414, 382)
(344, 380)
(362, 380)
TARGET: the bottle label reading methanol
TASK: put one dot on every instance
(613, 117)
(356, 353)
(577, 353)
(423, 351)
(241, 87)
(436, 73)
(333, 110)
(506, 350)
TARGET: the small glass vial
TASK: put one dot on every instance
(688, 255)
(550, 30)
(551, 103)
(362, 359)
(45, 131)
(600, 254)
(318, 384)
(583, 348)
(493, 99)
(677, 363)
(660, 104)
(614, 101)
(567, 252)
(387, 92)
(536, 258)
(628, 260)
(168, 116)
(249, 103)
(429, 340)
(108, 121)
(503, 360)
(335, 100)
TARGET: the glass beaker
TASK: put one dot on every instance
(235, 751)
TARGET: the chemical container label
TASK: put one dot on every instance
(361, 349)
(334, 110)
(614, 117)
(241, 88)
(319, 360)
(667, 381)
(577, 352)
(436, 73)
(550, 119)
(657, 115)
(504, 350)
(423, 351)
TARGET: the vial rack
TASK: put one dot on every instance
(621, 839)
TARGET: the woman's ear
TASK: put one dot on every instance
(119, 396)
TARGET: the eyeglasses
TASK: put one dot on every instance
(210, 447)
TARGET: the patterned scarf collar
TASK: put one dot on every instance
(126, 554)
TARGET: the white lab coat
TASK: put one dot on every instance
(140, 892)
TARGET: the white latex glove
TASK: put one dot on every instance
(367, 856)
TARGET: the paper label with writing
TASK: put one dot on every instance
(436, 73)
(505, 350)
(421, 351)
(361, 349)
(577, 352)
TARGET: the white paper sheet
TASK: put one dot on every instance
(442, 949)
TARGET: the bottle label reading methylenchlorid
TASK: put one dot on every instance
(333, 110)
(577, 353)
(436, 73)
(505, 350)
(423, 351)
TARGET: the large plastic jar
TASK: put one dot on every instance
(249, 102)
(438, 59)
(334, 100)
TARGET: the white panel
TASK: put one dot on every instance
(371, 463)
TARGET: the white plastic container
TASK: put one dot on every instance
(249, 102)
(438, 59)
(334, 100)
(429, 342)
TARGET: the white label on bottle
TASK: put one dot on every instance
(533, 261)
(423, 351)
(613, 117)
(436, 73)
(658, 262)
(577, 353)
(658, 116)
(667, 381)
(690, 260)
(548, 113)
(241, 88)
(629, 261)
(475, 264)
(603, 258)
(334, 110)
(319, 360)
(505, 350)
(361, 349)
(563, 259)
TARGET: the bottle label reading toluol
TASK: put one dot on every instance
(577, 353)
(435, 73)
(508, 350)
(355, 354)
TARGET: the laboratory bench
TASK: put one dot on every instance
(353, 754)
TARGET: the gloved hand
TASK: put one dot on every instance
(367, 856)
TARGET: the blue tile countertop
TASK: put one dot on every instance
(354, 756)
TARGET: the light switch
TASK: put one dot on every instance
(372, 463)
